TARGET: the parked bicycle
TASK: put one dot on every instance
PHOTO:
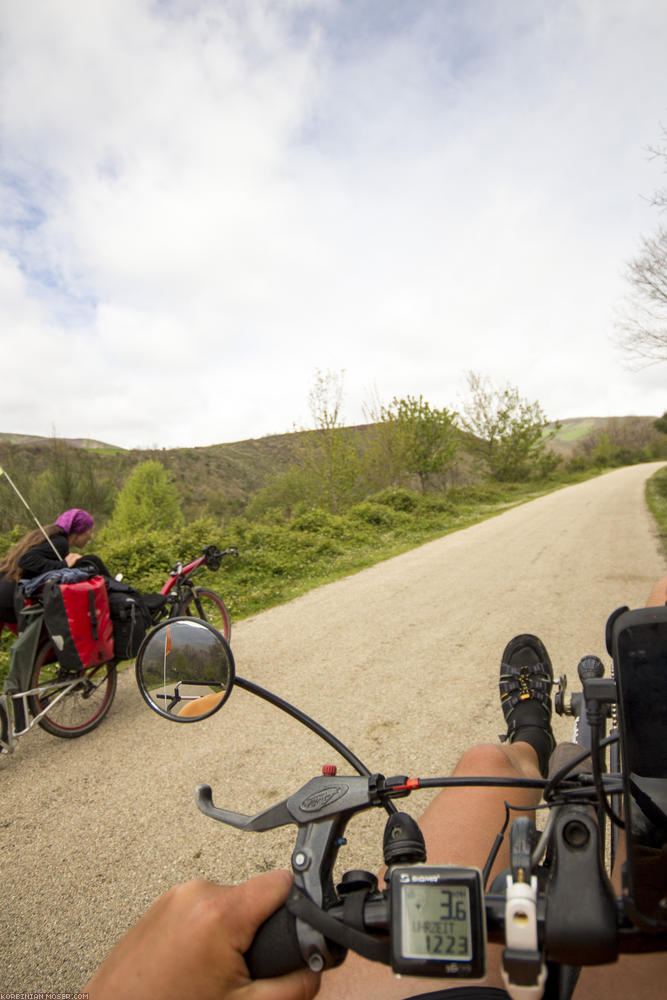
(180, 596)
(69, 704)
(64, 703)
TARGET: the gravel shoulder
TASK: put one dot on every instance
(400, 661)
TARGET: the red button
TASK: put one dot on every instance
(329, 770)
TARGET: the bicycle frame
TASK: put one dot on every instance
(180, 575)
(7, 705)
(179, 586)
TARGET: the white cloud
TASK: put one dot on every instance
(202, 202)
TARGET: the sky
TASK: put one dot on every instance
(203, 203)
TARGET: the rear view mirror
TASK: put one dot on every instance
(185, 670)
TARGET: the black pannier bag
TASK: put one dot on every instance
(130, 619)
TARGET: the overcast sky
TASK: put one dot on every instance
(202, 202)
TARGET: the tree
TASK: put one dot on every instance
(427, 437)
(147, 502)
(641, 331)
(507, 431)
(328, 457)
(407, 438)
(661, 423)
(383, 462)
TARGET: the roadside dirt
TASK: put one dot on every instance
(400, 661)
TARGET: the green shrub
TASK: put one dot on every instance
(438, 503)
(145, 559)
(147, 502)
(379, 515)
(316, 520)
(397, 498)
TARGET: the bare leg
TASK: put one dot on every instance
(658, 595)
(459, 827)
(636, 976)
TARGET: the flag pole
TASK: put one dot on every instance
(3, 472)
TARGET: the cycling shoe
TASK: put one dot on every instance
(526, 679)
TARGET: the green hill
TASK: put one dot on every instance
(218, 479)
(574, 430)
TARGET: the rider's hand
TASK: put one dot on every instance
(191, 943)
(72, 557)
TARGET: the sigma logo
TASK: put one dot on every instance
(412, 877)
(324, 797)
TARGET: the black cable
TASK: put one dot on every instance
(495, 847)
(597, 777)
(314, 726)
(483, 782)
(571, 765)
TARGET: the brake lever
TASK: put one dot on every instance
(321, 810)
(268, 819)
(321, 797)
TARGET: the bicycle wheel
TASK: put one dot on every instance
(211, 608)
(85, 704)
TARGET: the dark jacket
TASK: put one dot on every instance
(41, 558)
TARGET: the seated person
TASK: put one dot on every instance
(40, 551)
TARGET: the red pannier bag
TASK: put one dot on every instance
(77, 618)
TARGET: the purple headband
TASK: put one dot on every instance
(75, 521)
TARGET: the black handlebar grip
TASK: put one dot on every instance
(275, 949)
(590, 666)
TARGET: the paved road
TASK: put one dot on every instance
(399, 660)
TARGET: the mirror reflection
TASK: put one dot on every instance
(185, 670)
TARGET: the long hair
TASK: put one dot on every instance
(10, 564)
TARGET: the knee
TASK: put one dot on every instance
(485, 759)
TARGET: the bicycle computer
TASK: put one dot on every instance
(438, 922)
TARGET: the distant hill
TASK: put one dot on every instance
(574, 429)
(219, 478)
(35, 439)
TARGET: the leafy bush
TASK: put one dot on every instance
(316, 520)
(145, 559)
(148, 502)
(379, 515)
(397, 498)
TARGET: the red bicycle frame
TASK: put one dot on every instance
(179, 573)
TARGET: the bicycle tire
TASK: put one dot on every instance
(210, 607)
(83, 708)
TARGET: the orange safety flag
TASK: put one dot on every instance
(167, 642)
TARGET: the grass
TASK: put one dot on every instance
(656, 498)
